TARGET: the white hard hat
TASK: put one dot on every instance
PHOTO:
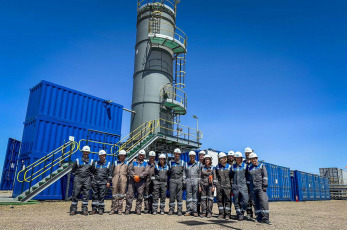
(86, 148)
(207, 156)
(122, 153)
(162, 156)
(238, 154)
(231, 153)
(151, 154)
(221, 154)
(142, 152)
(102, 152)
(177, 150)
(192, 153)
(202, 152)
(252, 155)
(248, 150)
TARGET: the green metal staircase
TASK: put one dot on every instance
(145, 143)
(27, 195)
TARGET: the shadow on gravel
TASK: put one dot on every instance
(223, 223)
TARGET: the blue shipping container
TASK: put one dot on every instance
(10, 164)
(317, 187)
(50, 135)
(54, 113)
(310, 187)
(53, 101)
(279, 187)
(301, 186)
(42, 135)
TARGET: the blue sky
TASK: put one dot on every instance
(270, 75)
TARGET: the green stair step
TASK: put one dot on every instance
(35, 187)
(65, 166)
(20, 197)
(54, 174)
(41, 183)
(60, 170)
(27, 192)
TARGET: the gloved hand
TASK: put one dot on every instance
(137, 178)
(264, 189)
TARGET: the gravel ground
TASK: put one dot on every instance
(284, 215)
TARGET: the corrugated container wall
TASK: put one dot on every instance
(58, 102)
(279, 187)
(10, 164)
(43, 135)
(54, 113)
(310, 187)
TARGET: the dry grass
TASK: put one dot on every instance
(284, 215)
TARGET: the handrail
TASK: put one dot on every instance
(42, 159)
(195, 134)
(58, 161)
(171, 90)
(170, 3)
(97, 142)
(138, 136)
(180, 35)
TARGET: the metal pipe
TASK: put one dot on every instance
(128, 110)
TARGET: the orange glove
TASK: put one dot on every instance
(137, 178)
(210, 179)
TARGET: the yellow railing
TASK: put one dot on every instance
(134, 138)
(175, 33)
(170, 3)
(171, 92)
(174, 129)
(96, 142)
(138, 135)
(49, 157)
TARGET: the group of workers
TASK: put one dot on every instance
(235, 179)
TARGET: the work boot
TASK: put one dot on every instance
(112, 213)
(92, 212)
(187, 214)
(85, 213)
(249, 217)
(202, 215)
(227, 217)
(127, 212)
(145, 212)
(240, 218)
(221, 216)
(138, 212)
(162, 213)
(120, 212)
(154, 213)
(196, 215)
(266, 221)
(101, 212)
(179, 213)
(209, 215)
(72, 213)
(170, 213)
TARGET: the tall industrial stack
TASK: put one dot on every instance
(160, 49)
